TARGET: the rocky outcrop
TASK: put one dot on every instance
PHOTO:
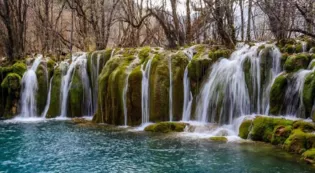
(293, 136)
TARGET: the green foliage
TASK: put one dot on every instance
(166, 127)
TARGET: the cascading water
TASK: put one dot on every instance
(295, 107)
(145, 91)
(77, 59)
(225, 94)
(29, 89)
(188, 97)
(225, 87)
(171, 88)
(95, 70)
(275, 53)
(87, 100)
(125, 90)
(48, 99)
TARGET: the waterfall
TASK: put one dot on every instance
(48, 99)
(87, 100)
(29, 89)
(188, 97)
(95, 70)
(171, 88)
(295, 107)
(125, 90)
(145, 91)
(225, 87)
(275, 53)
(304, 46)
(66, 81)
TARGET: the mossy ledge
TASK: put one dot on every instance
(166, 127)
(293, 136)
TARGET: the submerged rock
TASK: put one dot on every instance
(166, 127)
(218, 139)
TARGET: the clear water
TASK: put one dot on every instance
(60, 146)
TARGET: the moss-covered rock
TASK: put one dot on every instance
(19, 68)
(11, 82)
(76, 95)
(166, 127)
(309, 156)
(296, 62)
(144, 53)
(309, 94)
(134, 96)
(55, 95)
(10, 87)
(220, 53)
(263, 128)
(42, 91)
(289, 48)
(277, 94)
(111, 84)
(245, 129)
(280, 134)
(218, 139)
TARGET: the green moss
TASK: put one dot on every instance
(304, 126)
(296, 62)
(54, 107)
(19, 68)
(166, 127)
(284, 57)
(309, 93)
(218, 139)
(261, 47)
(76, 96)
(134, 97)
(277, 94)
(215, 55)
(309, 155)
(42, 91)
(111, 83)
(263, 128)
(280, 134)
(144, 53)
(298, 48)
(296, 142)
(245, 129)
(289, 48)
(11, 82)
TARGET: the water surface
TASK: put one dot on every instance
(60, 146)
